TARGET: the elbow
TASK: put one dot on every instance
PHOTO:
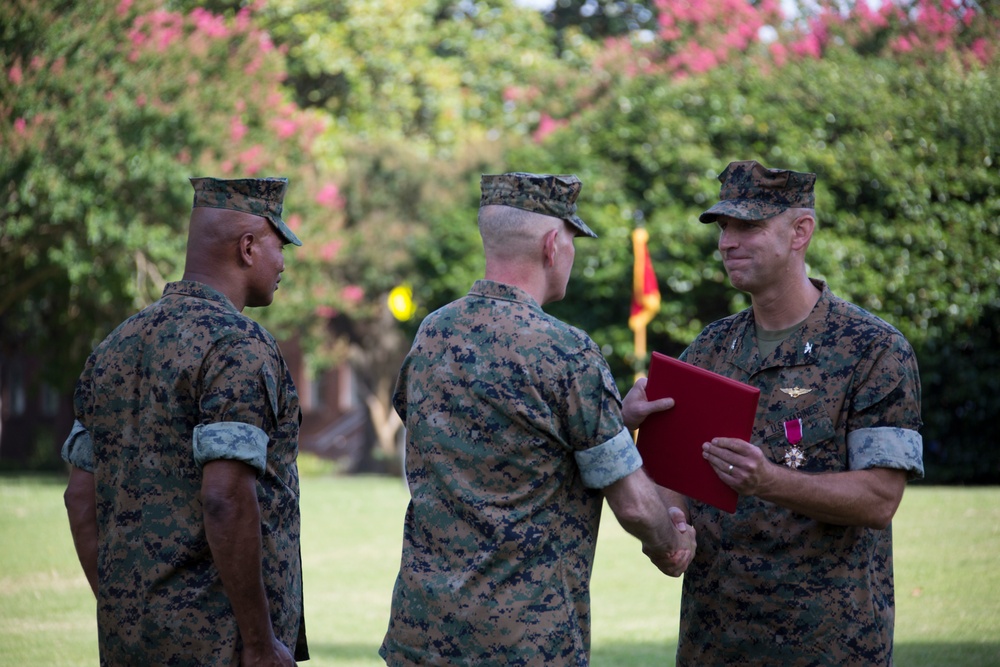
(218, 508)
(881, 513)
(881, 518)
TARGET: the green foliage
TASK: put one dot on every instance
(429, 72)
(908, 208)
(107, 109)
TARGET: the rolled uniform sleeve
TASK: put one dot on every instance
(235, 441)
(603, 447)
(239, 403)
(883, 431)
(78, 450)
(609, 462)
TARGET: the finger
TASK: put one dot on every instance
(677, 516)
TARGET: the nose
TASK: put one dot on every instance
(727, 240)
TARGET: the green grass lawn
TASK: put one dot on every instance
(947, 552)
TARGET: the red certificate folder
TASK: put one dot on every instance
(706, 405)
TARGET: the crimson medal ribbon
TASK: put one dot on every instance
(793, 433)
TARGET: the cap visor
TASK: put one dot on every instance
(741, 209)
(284, 231)
(582, 226)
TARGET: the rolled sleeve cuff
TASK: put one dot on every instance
(78, 450)
(886, 447)
(234, 441)
(609, 461)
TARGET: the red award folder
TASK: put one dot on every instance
(706, 405)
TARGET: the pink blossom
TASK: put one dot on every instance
(21, 126)
(251, 67)
(294, 221)
(237, 130)
(250, 159)
(226, 167)
(352, 294)
(285, 127)
(807, 47)
(208, 23)
(701, 59)
(243, 19)
(15, 74)
(123, 7)
(140, 100)
(546, 126)
(902, 45)
(329, 251)
(329, 196)
(981, 50)
(326, 311)
(779, 53)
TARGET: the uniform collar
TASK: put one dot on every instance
(801, 348)
(198, 290)
(494, 290)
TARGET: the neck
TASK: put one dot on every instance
(522, 277)
(786, 305)
(219, 285)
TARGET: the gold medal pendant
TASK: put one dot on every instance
(794, 457)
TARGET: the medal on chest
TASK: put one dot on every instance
(793, 433)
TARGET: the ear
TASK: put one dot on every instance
(802, 231)
(549, 247)
(246, 249)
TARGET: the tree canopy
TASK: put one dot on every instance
(384, 115)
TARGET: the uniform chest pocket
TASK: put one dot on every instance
(818, 448)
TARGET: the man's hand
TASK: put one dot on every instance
(275, 655)
(740, 464)
(636, 407)
(674, 562)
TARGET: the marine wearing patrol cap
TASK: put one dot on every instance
(256, 196)
(751, 191)
(553, 195)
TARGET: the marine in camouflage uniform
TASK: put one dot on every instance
(514, 426)
(187, 381)
(769, 585)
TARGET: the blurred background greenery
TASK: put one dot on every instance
(383, 114)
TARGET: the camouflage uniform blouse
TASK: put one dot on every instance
(772, 587)
(513, 424)
(186, 381)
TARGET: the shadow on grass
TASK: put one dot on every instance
(906, 654)
(947, 654)
(634, 654)
(340, 652)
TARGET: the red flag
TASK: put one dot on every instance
(645, 291)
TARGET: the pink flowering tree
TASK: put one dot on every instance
(106, 109)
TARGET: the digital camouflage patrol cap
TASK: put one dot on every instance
(539, 193)
(751, 191)
(256, 196)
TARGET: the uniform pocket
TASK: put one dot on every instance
(820, 452)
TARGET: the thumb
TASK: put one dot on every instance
(677, 516)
